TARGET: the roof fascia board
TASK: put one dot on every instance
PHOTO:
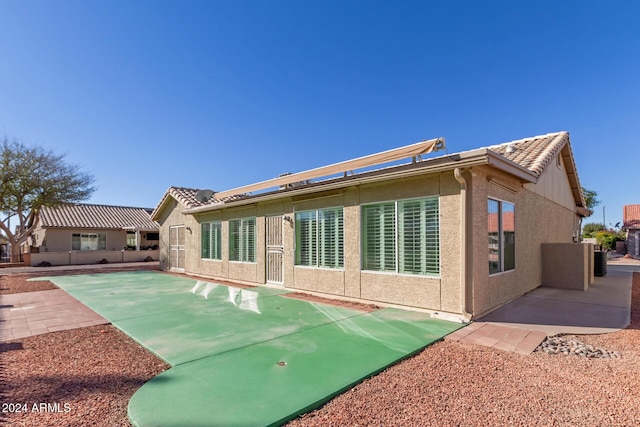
(500, 162)
(413, 150)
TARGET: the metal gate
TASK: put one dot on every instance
(275, 250)
(176, 248)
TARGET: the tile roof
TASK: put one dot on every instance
(537, 152)
(533, 153)
(187, 197)
(631, 216)
(96, 216)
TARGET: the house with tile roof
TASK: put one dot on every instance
(87, 233)
(457, 234)
(631, 224)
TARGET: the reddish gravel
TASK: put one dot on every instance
(96, 370)
(83, 377)
(454, 384)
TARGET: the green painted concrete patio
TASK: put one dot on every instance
(245, 356)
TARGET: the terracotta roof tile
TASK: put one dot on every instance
(533, 153)
(96, 216)
(631, 216)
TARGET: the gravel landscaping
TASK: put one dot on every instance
(87, 376)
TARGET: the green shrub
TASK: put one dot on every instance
(607, 239)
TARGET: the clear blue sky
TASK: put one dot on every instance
(218, 94)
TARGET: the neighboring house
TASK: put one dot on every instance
(95, 232)
(631, 224)
(460, 234)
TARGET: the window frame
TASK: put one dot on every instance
(313, 250)
(505, 243)
(246, 240)
(214, 240)
(101, 241)
(394, 237)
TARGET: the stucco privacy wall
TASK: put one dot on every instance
(91, 257)
(59, 239)
(537, 221)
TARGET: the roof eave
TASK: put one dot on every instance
(498, 161)
(583, 212)
(440, 164)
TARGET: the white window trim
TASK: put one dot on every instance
(501, 250)
(397, 252)
(255, 239)
(295, 251)
(211, 242)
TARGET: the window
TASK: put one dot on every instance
(501, 229)
(131, 239)
(320, 238)
(211, 240)
(153, 236)
(88, 241)
(242, 240)
(402, 236)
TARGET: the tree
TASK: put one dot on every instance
(30, 178)
(590, 198)
(590, 229)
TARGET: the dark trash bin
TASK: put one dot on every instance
(600, 264)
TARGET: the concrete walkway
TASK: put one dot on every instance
(34, 313)
(523, 324)
(153, 265)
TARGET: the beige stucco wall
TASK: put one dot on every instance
(537, 220)
(554, 185)
(440, 292)
(567, 265)
(171, 215)
(59, 239)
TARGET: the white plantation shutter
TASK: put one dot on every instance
(242, 240)
(402, 237)
(379, 251)
(306, 238)
(216, 240)
(211, 240)
(249, 239)
(418, 236)
(234, 240)
(205, 240)
(320, 238)
(331, 238)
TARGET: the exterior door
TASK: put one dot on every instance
(177, 248)
(275, 250)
